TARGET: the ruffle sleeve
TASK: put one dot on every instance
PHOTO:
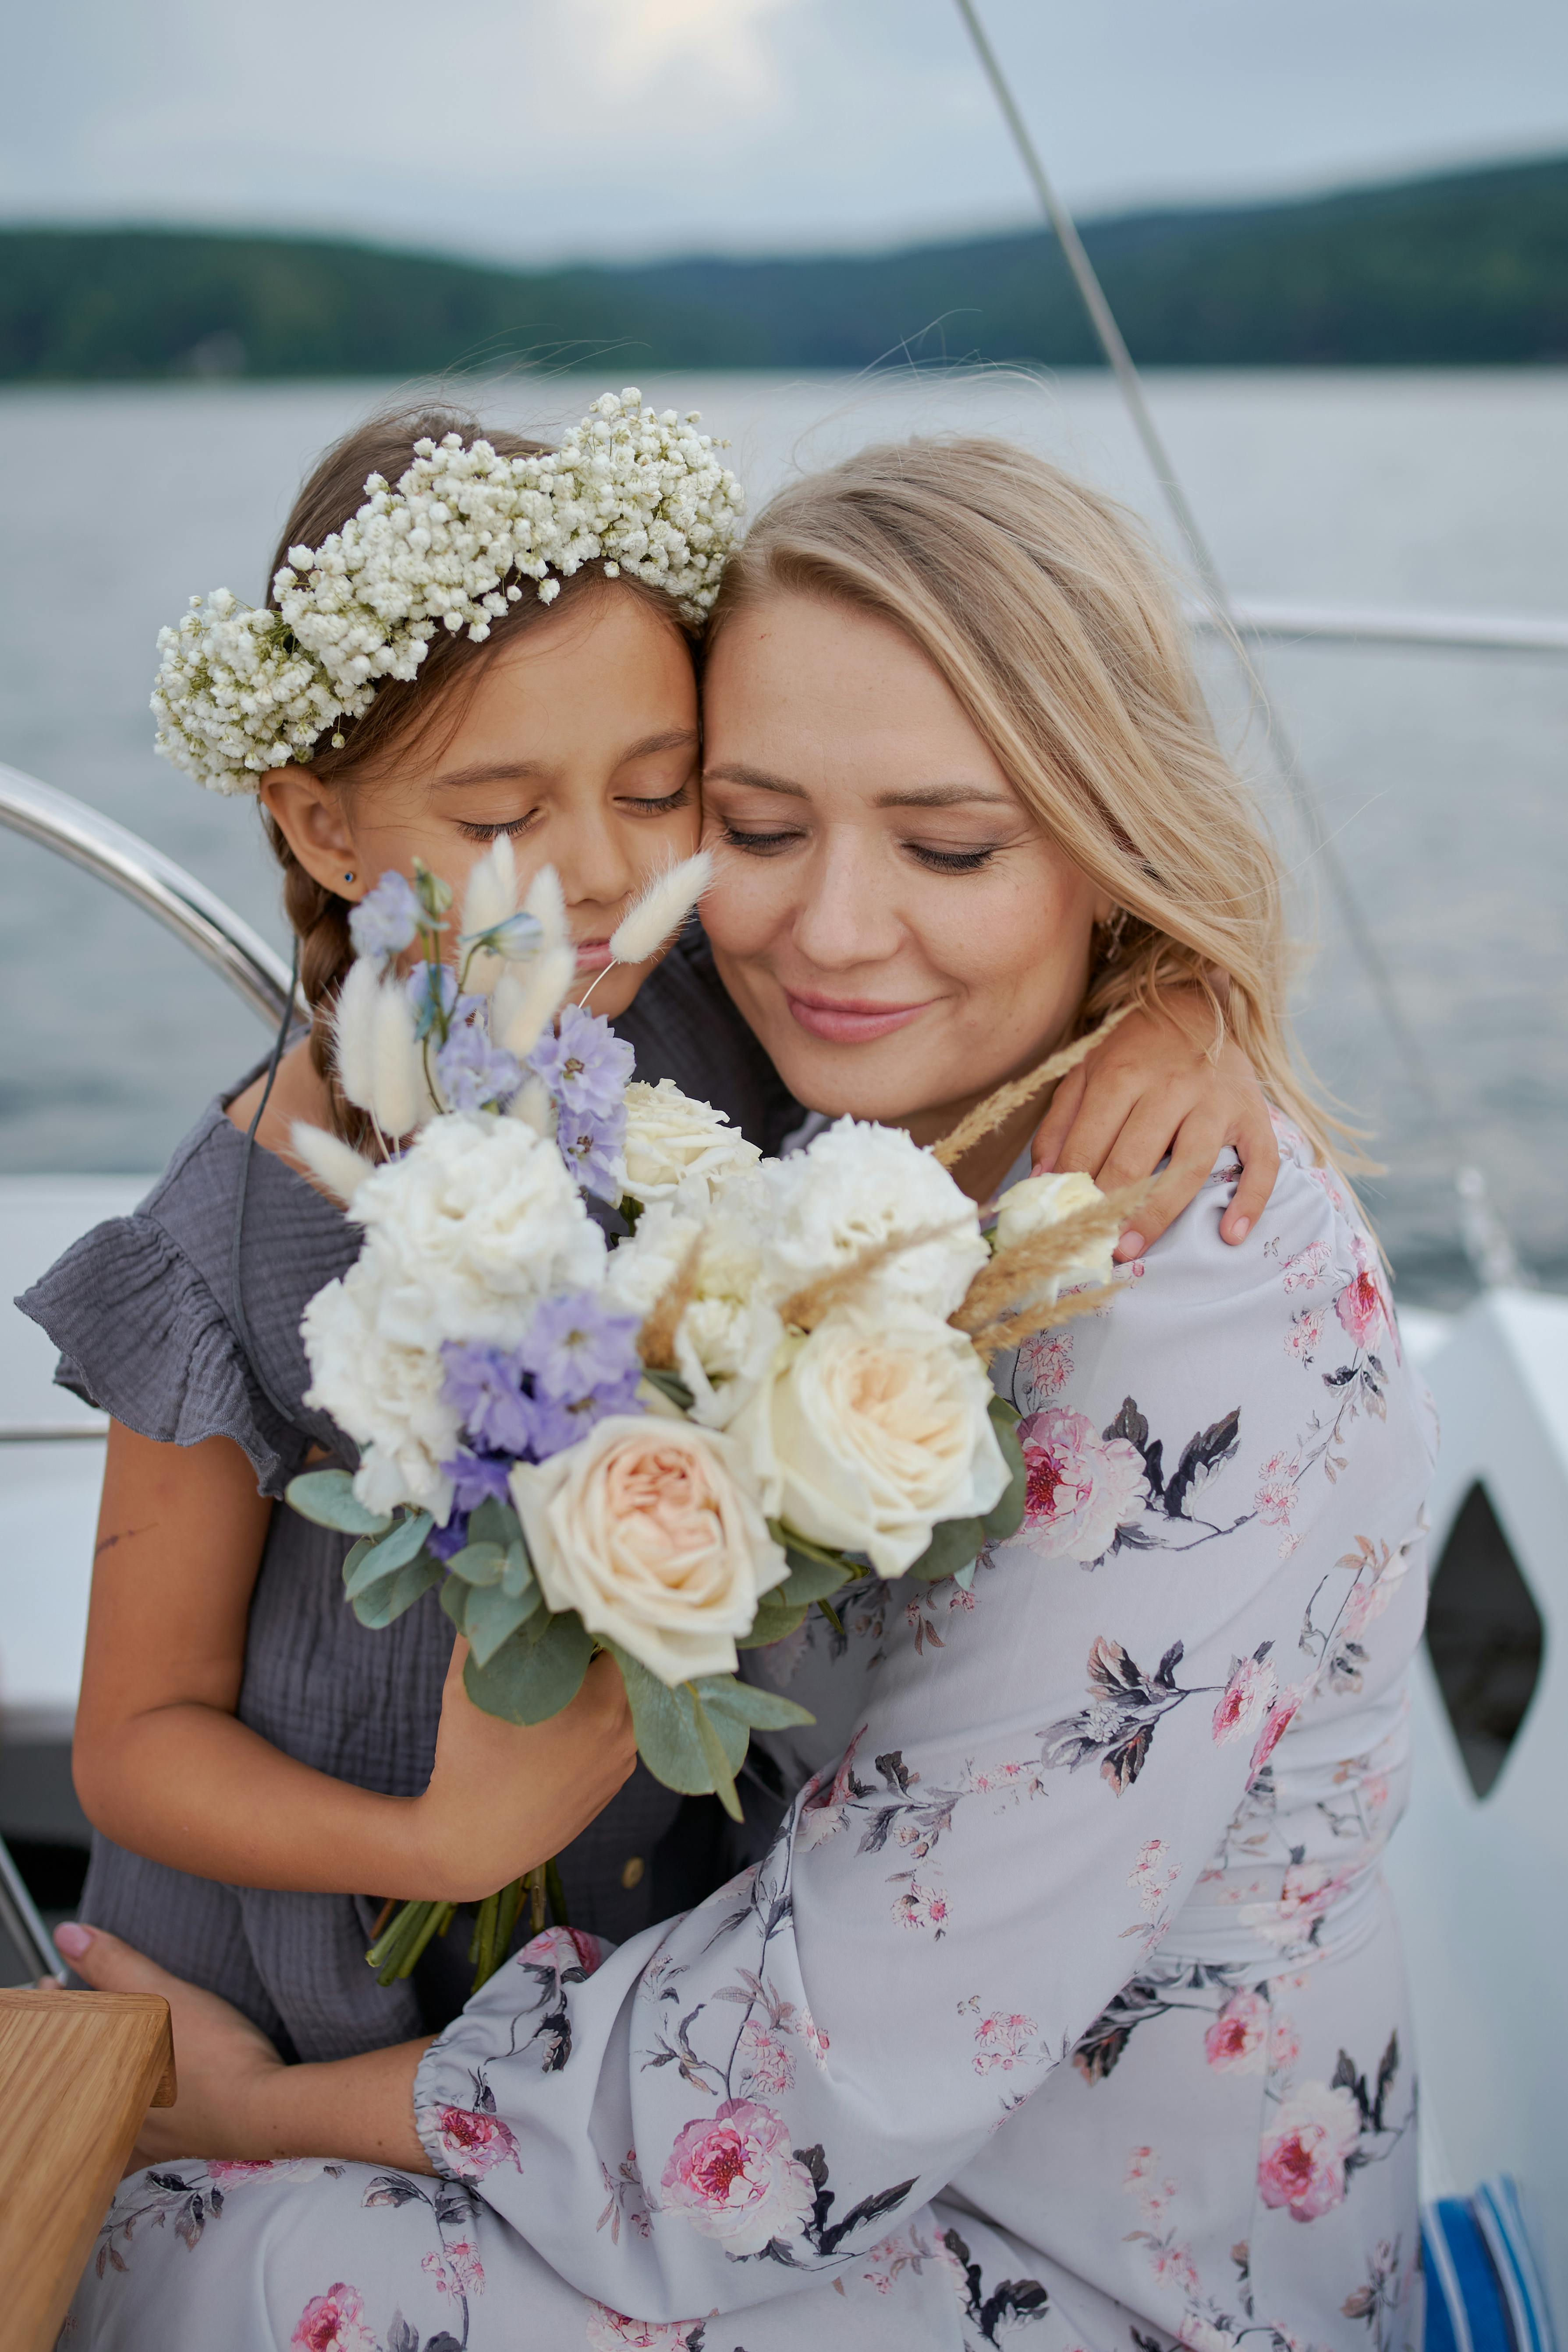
(142, 1338)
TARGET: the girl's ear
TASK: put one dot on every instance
(310, 816)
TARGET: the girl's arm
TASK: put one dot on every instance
(163, 1767)
(1152, 1089)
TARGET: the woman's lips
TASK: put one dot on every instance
(849, 1020)
(593, 955)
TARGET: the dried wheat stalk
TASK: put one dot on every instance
(1012, 1330)
(998, 1107)
(1052, 1255)
(655, 1340)
(805, 1308)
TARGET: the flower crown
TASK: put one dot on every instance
(242, 688)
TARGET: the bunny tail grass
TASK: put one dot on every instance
(662, 908)
(334, 1164)
(528, 998)
(805, 1308)
(546, 902)
(397, 1070)
(353, 1032)
(1026, 1277)
(491, 895)
(998, 1109)
(655, 1340)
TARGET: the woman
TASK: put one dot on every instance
(1066, 1998)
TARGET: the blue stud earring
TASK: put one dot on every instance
(348, 877)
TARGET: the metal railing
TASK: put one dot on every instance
(1359, 624)
(195, 914)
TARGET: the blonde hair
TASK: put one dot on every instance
(1046, 611)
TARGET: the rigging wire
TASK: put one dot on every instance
(1487, 1243)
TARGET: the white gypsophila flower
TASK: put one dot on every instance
(241, 690)
(388, 1396)
(855, 1184)
(648, 1530)
(671, 1139)
(870, 1431)
(475, 1223)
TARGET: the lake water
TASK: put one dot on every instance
(1441, 774)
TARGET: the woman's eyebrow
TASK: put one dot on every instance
(737, 772)
(942, 796)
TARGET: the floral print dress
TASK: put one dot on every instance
(1064, 2009)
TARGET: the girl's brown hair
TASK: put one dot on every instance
(1048, 614)
(405, 711)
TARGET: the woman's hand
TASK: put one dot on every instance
(504, 1797)
(1152, 1089)
(237, 2099)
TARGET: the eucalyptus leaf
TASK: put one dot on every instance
(664, 1723)
(389, 1596)
(517, 1571)
(1005, 1515)
(328, 1496)
(492, 1616)
(494, 1522)
(717, 1761)
(764, 1710)
(371, 1562)
(774, 1619)
(669, 1384)
(535, 1673)
(479, 1563)
(954, 1543)
(455, 1600)
(811, 1580)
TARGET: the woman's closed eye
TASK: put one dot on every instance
(760, 843)
(953, 861)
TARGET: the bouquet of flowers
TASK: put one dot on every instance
(668, 1430)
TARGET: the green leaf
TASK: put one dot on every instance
(387, 1553)
(479, 1563)
(814, 1572)
(773, 1620)
(516, 1574)
(765, 1710)
(1005, 1515)
(455, 1600)
(494, 1522)
(535, 1673)
(669, 1384)
(954, 1542)
(492, 1616)
(389, 1596)
(717, 1761)
(664, 1722)
(328, 1496)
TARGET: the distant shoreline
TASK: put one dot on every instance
(1459, 270)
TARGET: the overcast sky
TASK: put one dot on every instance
(539, 130)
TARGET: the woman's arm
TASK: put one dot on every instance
(163, 1767)
(1153, 1088)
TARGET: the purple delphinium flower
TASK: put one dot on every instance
(432, 991)
(474, 1075)
(560, 1422)
(584, 1065)
(485, 1386)
(444, 1541)
(590, 1143)
(575, 1343)
(386, 918)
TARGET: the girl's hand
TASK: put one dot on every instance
(235, 2097)
(504, 1797)
(1151, 1090)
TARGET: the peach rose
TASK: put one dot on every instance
(647, 1530)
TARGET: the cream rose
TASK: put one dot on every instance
(647, 1530)
(673, 1143)
(1039, 1202)
(871, 1430)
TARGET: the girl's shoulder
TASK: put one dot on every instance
(182, 1325)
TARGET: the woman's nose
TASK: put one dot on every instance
(846, 915)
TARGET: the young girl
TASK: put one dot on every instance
(260, 1769)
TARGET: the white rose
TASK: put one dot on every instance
(472, 1226)
(1040, 1201)
(648, 1530)
(873, 1428)
(672, 1141)
(856, 1184)
(729, 1330)
(389, 1397)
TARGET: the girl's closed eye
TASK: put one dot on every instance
(475, 829)
(666, 805)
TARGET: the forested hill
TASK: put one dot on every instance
(1467, 268)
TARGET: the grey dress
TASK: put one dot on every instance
(143, 1311)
